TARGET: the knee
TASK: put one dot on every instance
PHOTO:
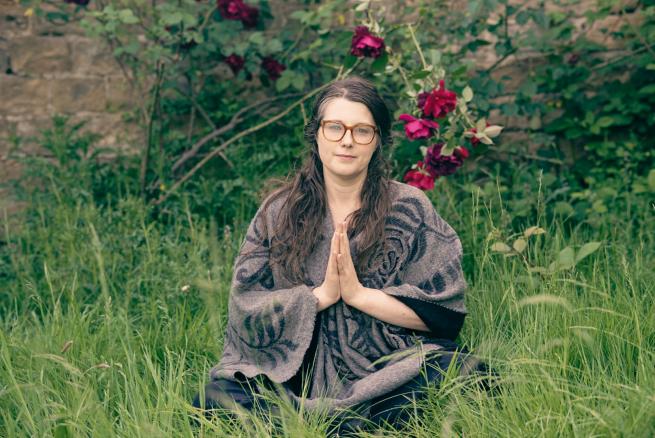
(466, 364)
(439, 363)
(223, 394)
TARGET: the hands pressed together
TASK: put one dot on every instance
(341, 280)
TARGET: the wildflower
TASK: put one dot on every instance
(442, 165)
(365, 44)
(418, 128)
(420, 177)
(238, 10)
(438, 102)
(235, 62)
(273, 68)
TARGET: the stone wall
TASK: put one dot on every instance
(47, 69)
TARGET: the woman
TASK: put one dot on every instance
(348, 284)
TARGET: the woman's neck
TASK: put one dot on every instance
(342, 193)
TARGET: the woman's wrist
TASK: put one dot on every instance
(323, 301)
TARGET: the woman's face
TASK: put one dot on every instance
(333, 153)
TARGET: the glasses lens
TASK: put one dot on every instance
(333, 130)
(363, 134)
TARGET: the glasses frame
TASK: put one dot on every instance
(375, 130)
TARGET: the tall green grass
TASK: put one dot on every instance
(110, 322)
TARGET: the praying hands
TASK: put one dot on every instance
(341, 282)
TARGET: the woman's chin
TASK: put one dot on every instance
(345, 170)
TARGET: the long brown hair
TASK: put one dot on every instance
(305, 207)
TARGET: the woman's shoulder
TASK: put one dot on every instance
(272, 203)
(413, 205)
(404, 193)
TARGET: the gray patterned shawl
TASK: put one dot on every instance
(270, 322)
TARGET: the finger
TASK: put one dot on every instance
(343, 266)
(344, 244)
(334, 251)
(334, 247)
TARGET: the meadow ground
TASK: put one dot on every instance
(110, 322)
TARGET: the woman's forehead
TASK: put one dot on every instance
(347, 111)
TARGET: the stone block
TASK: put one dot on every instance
(119, 94)
(513, 70)
(116, 133)
(55, 26)
(20, 95)
(5, 65)
(31, 130)
(39, 55)
(72, 95)
(13, 21)
(92, 57)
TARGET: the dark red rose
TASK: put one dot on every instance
(238, 10)
(235, 62)
(273, 68)
(78, 2)
(365, 44)
(420, 99)
(416, 129)
(573, 59)
(230, 9)
(461, 152)
(439, 102)
(419, 177)
(441, 165)
(249, 16)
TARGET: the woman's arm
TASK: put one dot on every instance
(387, 308)
(430, 292)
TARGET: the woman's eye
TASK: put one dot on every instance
(364, 130)
(334, 127)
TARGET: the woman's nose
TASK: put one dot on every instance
(347, 138)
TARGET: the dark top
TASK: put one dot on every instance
(442, 322)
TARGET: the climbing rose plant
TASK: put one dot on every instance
(434, 106)
(438, 160)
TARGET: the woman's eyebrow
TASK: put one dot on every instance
(350, 124)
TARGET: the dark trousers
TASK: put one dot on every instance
(389, 408)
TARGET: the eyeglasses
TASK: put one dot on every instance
(334, 130)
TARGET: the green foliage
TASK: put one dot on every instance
(70, 166)
(587, 106)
